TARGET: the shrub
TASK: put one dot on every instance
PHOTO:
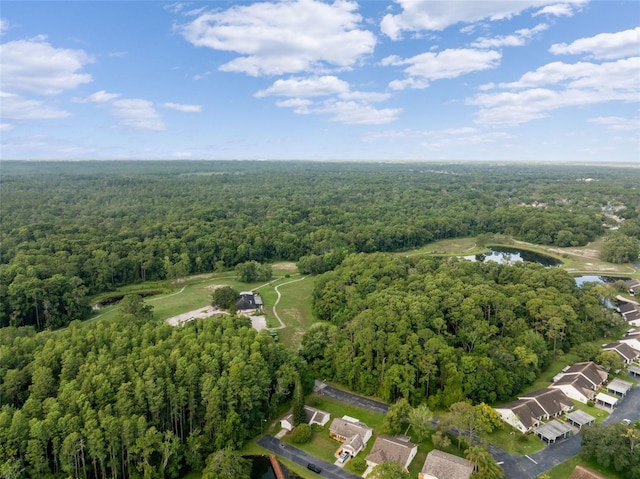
(301, 434)
(359, 465)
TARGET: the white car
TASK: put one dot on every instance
(343, 457)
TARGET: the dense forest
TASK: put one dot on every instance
(73, 229)
(131, 398)
(446, 330)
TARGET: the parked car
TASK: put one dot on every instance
(626, 421)
(343, 457)
(314, 468)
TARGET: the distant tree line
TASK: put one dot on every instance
(133, 399)
(70, 230)
(446, 330)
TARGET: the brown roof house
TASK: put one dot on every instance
(441, 465)
(624, 350)
(581, 472)
(529, 410)
(352, 433)
(314, 416)
(397, 449)
(581, 381)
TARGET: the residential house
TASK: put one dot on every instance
(314, 416)
(397, 449)
(632, 338)
(352, 433)
(630, 312)
(441, 465)
(581, 472)
(526, 413)
(626, 352)
(248, 300)
(581, 381)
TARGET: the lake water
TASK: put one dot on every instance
(580, 280)
(504, 255)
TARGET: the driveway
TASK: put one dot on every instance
(529, 467)
(298, 456)
(323, 388)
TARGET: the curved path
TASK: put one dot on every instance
(275, 312)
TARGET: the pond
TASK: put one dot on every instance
(504, 255)
(580, 280)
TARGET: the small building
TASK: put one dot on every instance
(442, 465)
(314, 416)
(634, 370)
(396, 449)
(579, 418)
(246, 301)
(619, 387)
(530, 409)
(627, 353)
(552, 431)
(581, 381)
(604, 400)
(352, 433)
(581, 472)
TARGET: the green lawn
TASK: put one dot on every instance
(512, 441)
(564, 470)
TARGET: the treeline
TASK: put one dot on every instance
(129, 399)
(100, 225)
(446, 330)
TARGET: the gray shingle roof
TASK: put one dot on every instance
(387, 448)
(446, 466)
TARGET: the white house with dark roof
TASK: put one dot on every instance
(352, 433)
(314, 416)
(581, 381)
(530, 409)
(633, 286)
(442, 465)
(627, 353)
(387, 448)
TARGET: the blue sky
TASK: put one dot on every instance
(321, 80)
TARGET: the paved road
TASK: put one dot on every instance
(350, 398)
(529, 467)
(298, 456)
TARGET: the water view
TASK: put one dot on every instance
(505, 255)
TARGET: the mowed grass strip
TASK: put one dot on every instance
(294, 309)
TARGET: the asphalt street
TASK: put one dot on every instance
(298, 456)
(350, 398)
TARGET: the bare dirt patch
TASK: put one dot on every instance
(213, 287)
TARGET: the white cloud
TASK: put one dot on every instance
(306, 87)
(603, 46)
(6, 126)
(559, 85)
(15, 107)
(4, 26)
(427, 15)
(356, 113)
(284, 37)
(35, 66)
(617, 123)
(450, 63)
(137, 114)
(101, 96)
(182, 107)
(299, 105)
(517, 39)
(562, 9)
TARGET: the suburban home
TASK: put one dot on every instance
(581, 381)
(529, 410)
(397, 449)
(633, 286)
(352, 433)
(632, 338)
(581, 472)
(442, 465)
(630, 312)
(248, 300)
(314, 416)
(626, 352)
